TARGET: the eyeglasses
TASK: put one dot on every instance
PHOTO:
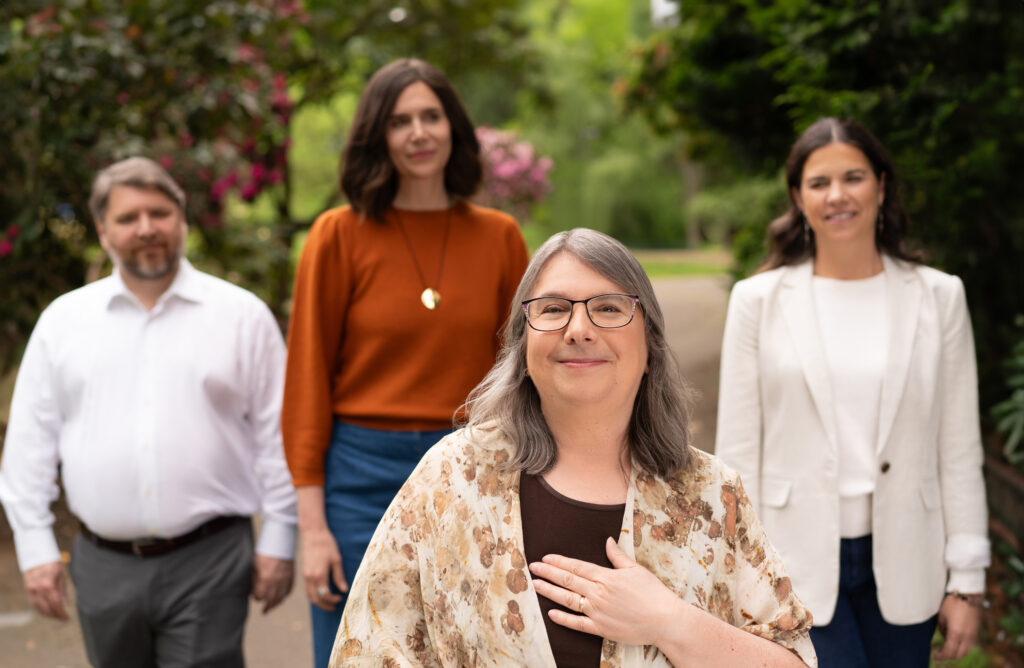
(549, 314)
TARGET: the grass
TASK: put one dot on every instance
(667, 268)
(708, 261)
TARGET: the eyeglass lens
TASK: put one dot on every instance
(551, 313)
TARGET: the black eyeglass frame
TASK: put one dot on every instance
(635, 299)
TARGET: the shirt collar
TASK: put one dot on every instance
(184, 286)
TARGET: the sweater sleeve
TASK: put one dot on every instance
(319, 301)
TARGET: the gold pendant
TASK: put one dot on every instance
(430, 298)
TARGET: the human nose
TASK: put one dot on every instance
(417, 128)
(579, 327)
(146, 225)
(835, 192)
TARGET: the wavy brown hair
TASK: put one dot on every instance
(506, 399)
(368, 177)
(787, 243)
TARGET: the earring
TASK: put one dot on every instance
(881, 221)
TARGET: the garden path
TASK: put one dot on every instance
(695, 314)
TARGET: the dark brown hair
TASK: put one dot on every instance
(368, 178)
(787, 243)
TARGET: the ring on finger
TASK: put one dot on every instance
(582, 600)
(322, 591)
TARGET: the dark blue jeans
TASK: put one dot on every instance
(858, 636)
(363, 471)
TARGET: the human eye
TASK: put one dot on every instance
(609, 304)
(551, 306)
(817, 184)
(433, 115)
(396, 122)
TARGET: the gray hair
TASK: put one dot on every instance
(138, 173)
(506, 399)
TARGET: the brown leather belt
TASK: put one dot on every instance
(154, 547)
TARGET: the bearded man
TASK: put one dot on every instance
(156, 393)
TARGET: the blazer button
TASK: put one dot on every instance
(885, 467)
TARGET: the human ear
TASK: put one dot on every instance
(795, 193)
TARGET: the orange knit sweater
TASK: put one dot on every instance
(361, 345)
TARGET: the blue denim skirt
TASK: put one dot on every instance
(364, 469)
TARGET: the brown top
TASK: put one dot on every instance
(556, 524)
(361, 345)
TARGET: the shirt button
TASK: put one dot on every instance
(885, 467)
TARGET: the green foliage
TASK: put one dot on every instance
(611, 173)
(941, 83)
(1012, 583)
(95, 81)
(1009, 413)
(209, 89)
(740, 211)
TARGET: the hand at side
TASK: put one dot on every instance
(271, 580)
(46, 587)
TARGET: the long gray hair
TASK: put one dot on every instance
(506, 399)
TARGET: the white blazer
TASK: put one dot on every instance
(777, 428)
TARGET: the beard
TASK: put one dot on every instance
(136, 267)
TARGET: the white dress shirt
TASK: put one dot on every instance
(160, 420)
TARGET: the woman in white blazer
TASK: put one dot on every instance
(848, 404)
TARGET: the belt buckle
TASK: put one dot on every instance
(138, 546)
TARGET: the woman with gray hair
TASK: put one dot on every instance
(570, 523)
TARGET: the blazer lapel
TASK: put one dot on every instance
(903, 297)
(797, 302)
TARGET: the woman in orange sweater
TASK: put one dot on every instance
(398, 301)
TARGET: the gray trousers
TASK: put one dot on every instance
(183, 609)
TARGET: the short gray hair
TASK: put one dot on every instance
(506, 399)
(138, 173)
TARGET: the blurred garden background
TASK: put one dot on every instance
(662, 123)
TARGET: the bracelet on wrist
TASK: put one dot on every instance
(975, 600)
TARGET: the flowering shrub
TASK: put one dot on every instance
(515, 178)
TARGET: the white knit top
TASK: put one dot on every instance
(854, 333)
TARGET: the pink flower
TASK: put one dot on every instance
(505, 170)
(249, 191)
(222, 185)
(515, 178)
(247, 53)
(123, 98)
(166, 161)
(258, 172)
(5, 248)
(12, 232)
